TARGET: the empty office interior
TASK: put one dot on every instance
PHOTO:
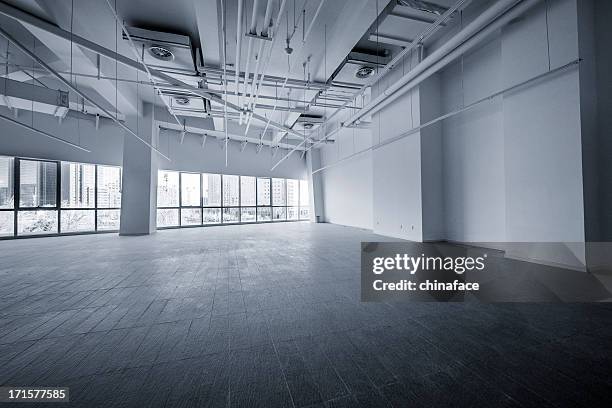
(185, 187)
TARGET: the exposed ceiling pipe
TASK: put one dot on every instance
(17, 14)
(420, 39)
(139, 59)
(43, 64)
(216, 72)
(221, 135)
(481, 27)
(271, 30)
(252, 31)
(238, 46)
(473, 28)
(258, 56)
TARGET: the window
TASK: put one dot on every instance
(167, 217)
(264, 214)
(211, 216)
(279, 213)
(37, 184)
(78, 192)
(231, 215)
(293, 192)
(247, 191)
(304, 200)
(7, 182)
(78, 185)
(190, 190)
(44, 197)
(211, 190)
(168, 189)
(194, 199)
(279, 193)
(248, 214)
(108, 189)
(263, 191)
(37, 193)
(231, 191)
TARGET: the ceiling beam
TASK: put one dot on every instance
(391, 40)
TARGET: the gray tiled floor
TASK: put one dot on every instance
(269, 316)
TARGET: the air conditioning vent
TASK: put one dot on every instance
(166, 51)
(364, 72)
(161, 53)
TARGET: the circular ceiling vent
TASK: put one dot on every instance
(181, 100)
(308, 125)
(161, 53)
(364, 72)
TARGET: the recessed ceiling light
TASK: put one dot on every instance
(308, 125)
(161, 53)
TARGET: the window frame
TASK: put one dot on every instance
(58, 208)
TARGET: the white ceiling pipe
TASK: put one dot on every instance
(17, 14)
(430, 30)
(139, 59)
(434, 67)
(238, 46)
(221, 134)
(267, 31)
(252, 31)
(489, 15)
(66, 83)
(264, 32)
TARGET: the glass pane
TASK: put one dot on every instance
(191, 216)
(212, 215)
(168, 189)
(168, 217)
(190, 189)
(304, 213)
(292, 213)
(231, 215)
(78, 220)
(247, 191)
(231, 192)
(264, 214)
(37, 184)
(109, 187)
(211, 190)
(78, 185)
(304, 198)
(263, 191)
(279, 194)
(6, 182)
(36, 222)
(108, 220)
(279, 213)
(7, 223)
(247, 214)
(292, 192)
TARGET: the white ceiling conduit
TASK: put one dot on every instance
(17, 14)
(492, 19)
(69, 85)
(252, 32)
(238, 47)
